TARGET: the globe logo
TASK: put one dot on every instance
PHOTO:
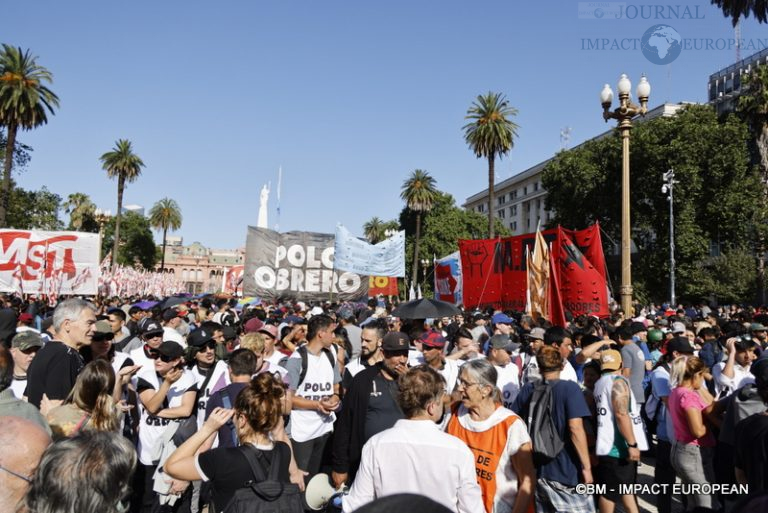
(661, 44)
(599, 13)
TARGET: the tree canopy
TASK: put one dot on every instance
(442, 228)
(25, 102)
(716, 200)
(490, 133)
(137, 247)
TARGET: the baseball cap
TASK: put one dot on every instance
(638, 327)
(151, 327)
(253, 325)
(199, 337)
(681, 345)
(103, 330)
(432, 339)
(678, 327)
(537, 334)
(500, 341)
(395, 341)
(755, 326)
(610, 360)
(269, 329)
(171, 313)
(501, 318)
(171, 349)
(26, 318)
(26, 340)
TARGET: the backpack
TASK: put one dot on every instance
(650, 410)
(305, 361)
(265, 493)
(547, 442)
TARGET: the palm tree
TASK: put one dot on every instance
(165, 214)
(419, 194)
(753, 108)
(374, 230)
(736, 9)
(78, 206)
(122, 163)
(24, 101)
(490, 133)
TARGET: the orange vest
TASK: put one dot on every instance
(487, 448)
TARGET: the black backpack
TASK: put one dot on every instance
(547, 443)
(302, 350)
(265, 493)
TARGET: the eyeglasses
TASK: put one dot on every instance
(154, 354)
(11, 472)
(465, 384)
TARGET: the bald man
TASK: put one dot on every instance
(22, 443)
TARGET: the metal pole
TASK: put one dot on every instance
(626, 240)
(672, 298)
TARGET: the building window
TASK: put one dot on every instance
(513, 194)
(513, 225)
(513, 210)
(536, 186)
(525, 190)
(481, 208)
(502, 214)
(501, 199)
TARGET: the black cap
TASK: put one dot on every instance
(199, 337)
(171, 313)
(681, 345)
(151, 327)
(171, 349)
(638, 327)
(395, 341)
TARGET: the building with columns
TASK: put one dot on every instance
(201, 269)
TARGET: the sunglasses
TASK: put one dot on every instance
(208, 345)
(155, 354)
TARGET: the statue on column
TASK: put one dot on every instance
(263, 200)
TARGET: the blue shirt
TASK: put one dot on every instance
(568, 403)
(660, 388)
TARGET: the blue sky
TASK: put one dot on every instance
(348, 97)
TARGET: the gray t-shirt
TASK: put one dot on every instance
(633, 359)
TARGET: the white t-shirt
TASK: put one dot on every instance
(174, 336)
(219, 379)
(151, 427)
(508, 382)
(517, 436)
(568, 373)
(318, 383)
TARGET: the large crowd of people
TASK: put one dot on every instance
(194, 404)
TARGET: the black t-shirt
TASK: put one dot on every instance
(53, 372)
(383, 410)
(752, 451)
(228, 470)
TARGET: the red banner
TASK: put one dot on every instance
(494, 272)
(233, 279)
(382, 285)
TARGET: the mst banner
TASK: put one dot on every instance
(494, 272)
(52, 263)
(296, 266)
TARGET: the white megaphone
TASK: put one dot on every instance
(320, 491)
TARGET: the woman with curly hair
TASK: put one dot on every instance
(257, 411)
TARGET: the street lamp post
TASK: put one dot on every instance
(668, 188)
(424, 268)
(624, 114)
